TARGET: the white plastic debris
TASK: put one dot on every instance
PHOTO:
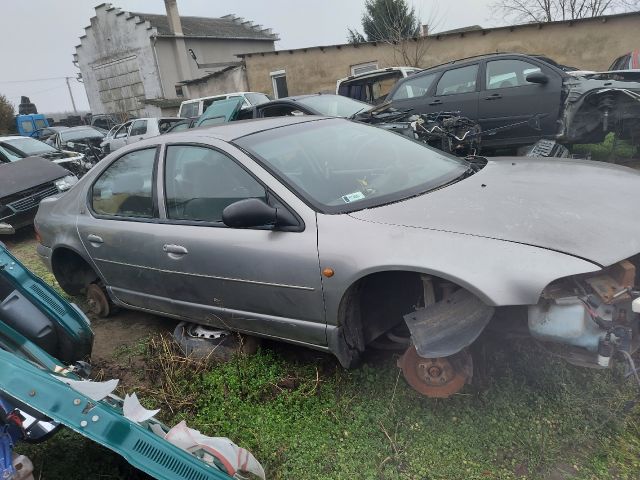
(23, 468)
(234, 458)
(94, 390)
(134, 411)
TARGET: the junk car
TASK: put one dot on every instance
(336, 235)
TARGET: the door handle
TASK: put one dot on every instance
(436, 102)
(174, 249)
(495, 96)
(94, 239)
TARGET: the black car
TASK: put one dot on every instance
(24, 183)
(519, 99)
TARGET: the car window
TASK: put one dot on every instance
(139, 127)
(458, 80)
(508, 73)
(189, 110)
(201, 182)
(40, 123)
(9, 155)
(414, 87)
(125, 188)
(80, 134)
(340, 164)
(29, 146)
(207, 103)
(122, 131)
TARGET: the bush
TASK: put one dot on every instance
(7, 116)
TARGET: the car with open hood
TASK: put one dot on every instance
(16, 147)
(337, 235)
(503, 92)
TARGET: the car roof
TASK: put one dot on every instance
(484, 56)
(217, 96)
(241, 128)
(373, 73)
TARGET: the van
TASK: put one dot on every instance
(195, 107)
(373, 86)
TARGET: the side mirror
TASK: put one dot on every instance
(537, 77)
(250, 212)
(6, 229)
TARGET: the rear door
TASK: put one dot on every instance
(118, 228)
(412, 93)
(456, 91)
(119, 137)
(508, 98)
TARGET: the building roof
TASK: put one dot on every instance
(228, 27)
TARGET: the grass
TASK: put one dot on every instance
(611, 150)
(528, 415)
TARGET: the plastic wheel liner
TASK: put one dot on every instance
(446, 327)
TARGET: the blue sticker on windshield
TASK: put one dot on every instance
(352, 197)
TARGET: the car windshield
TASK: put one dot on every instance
(341, 166)
(69, 136)
(334, 105)
(29, 146)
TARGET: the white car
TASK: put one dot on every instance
(195, 107)
(136, 130)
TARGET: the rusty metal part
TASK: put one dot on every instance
(436, 377)
(98, 301)
(615, 282)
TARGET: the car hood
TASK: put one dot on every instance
(581, 208)
(28, 173)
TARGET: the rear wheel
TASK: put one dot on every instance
(98, 301)
(436, 377)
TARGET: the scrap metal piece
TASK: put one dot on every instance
(436, 377)
(448, 326)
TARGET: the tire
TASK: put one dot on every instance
(222, 348)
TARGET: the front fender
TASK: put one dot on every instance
(498, 272)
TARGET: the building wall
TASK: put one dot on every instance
(207, 51)
(590, 44)
(117, 63)
(234, 80)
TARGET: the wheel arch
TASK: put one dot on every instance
(72, 270)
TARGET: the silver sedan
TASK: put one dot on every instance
(339, 236)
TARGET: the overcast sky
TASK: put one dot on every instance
(37, 37)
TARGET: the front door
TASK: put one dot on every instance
(257, 280)
(508, 98)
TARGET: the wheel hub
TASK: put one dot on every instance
(97, 301)
(436, 377)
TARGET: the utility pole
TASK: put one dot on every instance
(75, 110)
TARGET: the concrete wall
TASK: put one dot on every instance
(590, 44)
(117, 63)
(234, 80)
(207, 51)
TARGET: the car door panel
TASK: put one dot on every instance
(120, 244)
(507, 98)
(255, 280)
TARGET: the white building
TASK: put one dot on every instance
(142, 64)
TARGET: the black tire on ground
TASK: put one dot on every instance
(223, 348)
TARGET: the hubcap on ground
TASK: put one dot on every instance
(436, 377)
(97, 301)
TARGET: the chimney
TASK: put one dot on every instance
(424, 30)
(173, 17)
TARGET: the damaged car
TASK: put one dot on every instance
(503, 89)
(339, 236)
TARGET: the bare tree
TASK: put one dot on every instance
(552, 10)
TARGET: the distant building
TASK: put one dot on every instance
(145, 64)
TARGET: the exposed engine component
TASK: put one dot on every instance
(591, 315)
(548, 148)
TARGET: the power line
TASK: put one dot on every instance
(33, 80)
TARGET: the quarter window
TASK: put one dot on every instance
(125, 189)
(509, 73)
(201, 182)
(414, 87)
(459, 80)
